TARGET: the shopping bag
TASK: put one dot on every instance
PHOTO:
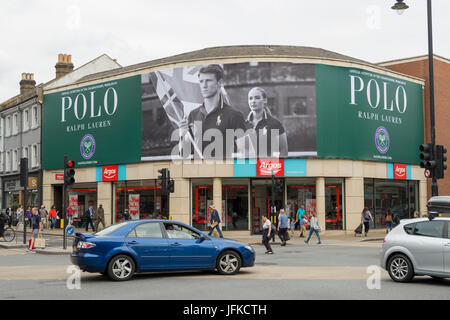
(39, 242)
(29, 244)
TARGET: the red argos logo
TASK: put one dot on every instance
(266, 166)
(400, 171)
(110, 173)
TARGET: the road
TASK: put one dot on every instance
(336, 270)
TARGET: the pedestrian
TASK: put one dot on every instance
(126, 215)
(88, 216)
(300, 213)
(10, 214)
(19, 213)
(3, 219)
(388, 220)
(215, 221)
(100, 216)
(282, 227)
(52, 216)
(366, 217)
(44, 214)
(292, 225)
(36, 226)
(29, 215)
(416, 214)
(302, 226)
(267, 234)
(234, 219)
(314, 227)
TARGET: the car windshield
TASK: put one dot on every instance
(111, 229)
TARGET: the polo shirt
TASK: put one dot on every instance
(300, 213)
(264, 132)
(221, 118)
(283, 221)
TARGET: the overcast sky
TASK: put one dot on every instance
(32, 33)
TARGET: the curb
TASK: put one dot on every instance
(46, 252)
(13, 246)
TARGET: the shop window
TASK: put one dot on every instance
(202, 194)
(333, 207)
(298, 195)
(142, 200)
(235, 202)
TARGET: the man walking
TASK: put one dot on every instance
(267, 232)
(215, 221)
(10, 214)
(43, 213)
(100, 217)
(36, 226)
(89, 215)
(282, 226)
(300, 213)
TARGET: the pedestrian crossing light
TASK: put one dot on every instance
(171, 186)
(69, 171)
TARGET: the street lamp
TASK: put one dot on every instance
(400, 6)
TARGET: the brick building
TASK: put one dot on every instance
(418, 67)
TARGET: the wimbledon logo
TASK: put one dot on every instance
(87, 146)
(382, 139)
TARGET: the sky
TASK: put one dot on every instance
(33, 33)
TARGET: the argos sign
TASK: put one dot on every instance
(265, 167)
(399, 171)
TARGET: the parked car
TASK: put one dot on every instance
(418, 247)
(123, 249)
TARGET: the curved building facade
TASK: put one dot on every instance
(251, 129)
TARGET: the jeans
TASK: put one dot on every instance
(389, 226)
(218, 230)
(282, 234)
(366, 227)
(311, 231)
(53, 223)
(266, 240)
(89, 222)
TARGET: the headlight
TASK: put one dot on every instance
(250, 248)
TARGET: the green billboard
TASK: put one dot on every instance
(364, 115)
(93, 125)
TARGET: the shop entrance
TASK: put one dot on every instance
(261, 201)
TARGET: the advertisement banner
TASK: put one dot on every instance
(241, 110)
(94, 125)
(133, 206)
(368, 116)
(73, 205)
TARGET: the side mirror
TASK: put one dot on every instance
(203, 238)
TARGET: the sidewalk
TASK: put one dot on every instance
(330, 236)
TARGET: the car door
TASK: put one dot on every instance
(151, 247)
(187, 250)
(427, 245)
(447, 249)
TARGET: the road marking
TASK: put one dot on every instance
(49, 272)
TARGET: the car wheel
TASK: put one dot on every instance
(400, 268)
(228, 263)
(121, 268)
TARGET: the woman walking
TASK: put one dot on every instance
(388, 221)
(366, 217)
(267, 232)
(314, 228)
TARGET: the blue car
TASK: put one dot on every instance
(123, 249)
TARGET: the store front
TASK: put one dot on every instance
(399, 196)
(79, 198)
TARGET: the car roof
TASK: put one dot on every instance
(405, 221)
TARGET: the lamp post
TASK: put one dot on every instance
(400, 6)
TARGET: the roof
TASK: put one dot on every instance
(412, 59)
(227, 52)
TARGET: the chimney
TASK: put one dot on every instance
(27, 83)
(64, 65)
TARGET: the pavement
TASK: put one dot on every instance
(328, 237)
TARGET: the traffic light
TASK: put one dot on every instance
(171, 186)
(427, 157)
(69, 171)
(24, 172)
(163, 180)
(440, 161)
(278, 185)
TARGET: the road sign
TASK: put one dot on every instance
(70, 230)
(427, 173)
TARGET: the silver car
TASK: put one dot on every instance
(418, 247)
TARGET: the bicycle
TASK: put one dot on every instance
(9, 234)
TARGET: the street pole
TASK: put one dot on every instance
(24, 214)
(64, 205)
(272, 207)
(434, 185)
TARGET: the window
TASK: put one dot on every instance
(147, 230)
(409, 228)
(176, 231)
(26, 120)
(25, 152)
(15, 124)
(432, 228)
(1, 162)
(8, 126)
(111, 229)
(34, 156)
(297, 106)
(34, 117)
(14, 161)
(8, 161)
